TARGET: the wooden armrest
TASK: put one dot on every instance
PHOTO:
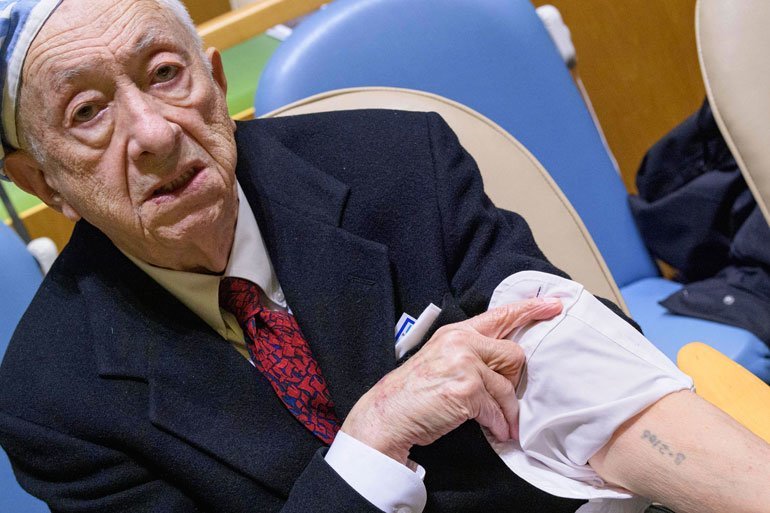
(728, 386)
(242, 24)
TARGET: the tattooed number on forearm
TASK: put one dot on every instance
(663, 447)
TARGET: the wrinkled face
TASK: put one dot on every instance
(134, 130)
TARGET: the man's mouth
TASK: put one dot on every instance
(177, 184)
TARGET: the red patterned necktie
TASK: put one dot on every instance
(282, 354)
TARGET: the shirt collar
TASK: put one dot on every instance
(248, 259)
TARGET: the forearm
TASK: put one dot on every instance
(689, 455)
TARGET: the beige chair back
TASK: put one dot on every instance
(733, 41)
(513, 178)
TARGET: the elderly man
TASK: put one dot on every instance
(162, 368)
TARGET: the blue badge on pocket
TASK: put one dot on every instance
(403, 325)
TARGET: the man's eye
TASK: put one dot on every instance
(166, 73)
(85, 113)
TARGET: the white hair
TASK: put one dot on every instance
(182, 14)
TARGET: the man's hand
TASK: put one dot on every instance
(465, 371)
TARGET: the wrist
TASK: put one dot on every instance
(379, 442)
(377, 435)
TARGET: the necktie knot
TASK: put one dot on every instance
(241, 298)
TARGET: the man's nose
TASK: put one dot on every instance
(151, 134)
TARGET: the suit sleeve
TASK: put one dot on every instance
(77, 476)
(516, 220)
(321, 489)
(483, 244)
(73, 475)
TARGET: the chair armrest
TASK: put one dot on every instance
(242, 24)
(728, 386)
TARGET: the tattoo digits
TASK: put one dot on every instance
(662, 447)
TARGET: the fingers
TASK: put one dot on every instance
(501, 356)
(492, 417)
(504, 362)
(503, 393)
(499, 322)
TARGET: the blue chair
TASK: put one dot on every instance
(496, 57)
(20, 277)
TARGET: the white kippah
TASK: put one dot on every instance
(20, 22)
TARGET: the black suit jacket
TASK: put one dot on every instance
(115, 397)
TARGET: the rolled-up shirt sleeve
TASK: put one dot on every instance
(587, 372)
(381, 480)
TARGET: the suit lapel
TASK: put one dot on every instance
(200, 389)
(338, 284)
(215, 400)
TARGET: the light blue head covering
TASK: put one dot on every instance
(20, 22)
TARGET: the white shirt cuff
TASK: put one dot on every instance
(381, 480)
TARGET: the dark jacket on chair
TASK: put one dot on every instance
(697, 214)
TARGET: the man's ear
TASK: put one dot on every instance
(27, 174)
(217, 69)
